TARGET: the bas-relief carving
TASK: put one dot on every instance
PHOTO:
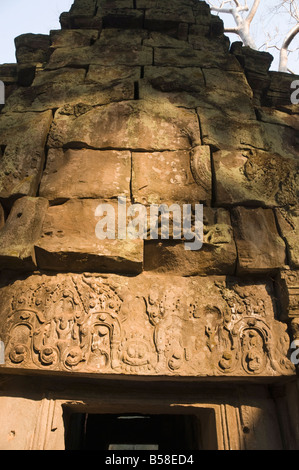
(288, 287)
(112, 324)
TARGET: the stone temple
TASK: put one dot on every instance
(147, 101)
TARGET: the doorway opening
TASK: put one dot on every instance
(133, 432)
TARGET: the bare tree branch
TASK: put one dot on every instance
(253, 11)
(242, 24)
(237, 9)
(283, 62)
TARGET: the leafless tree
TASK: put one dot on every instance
(243, 14)
(292, 8)
(243, 21)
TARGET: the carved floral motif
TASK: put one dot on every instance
(96, 324)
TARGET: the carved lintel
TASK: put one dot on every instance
(143, 325)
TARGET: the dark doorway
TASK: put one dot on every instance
(132, 431)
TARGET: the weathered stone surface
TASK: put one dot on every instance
(163, 18)
(63, 76)
(230, 106)
(32, 48)
(143, 325)
(22, 229)
(256, 66)
(101, 54)
(22, 140)
(190, 57)
(84, 21)
(83, 7)
(58, 93)
(121, 17)
(69, 243)
(174, 79)
(9, 73)
(200, 39)
(157, 39)
(274, 116)
(217, 256)
(250, 59)
(220, 131)
(278, 92)
(288, 222)
(26, 74)
(197, 32)
(135, 125)
(112, 75)
(122, 37)
(81, 15)
(86, 173)
(182, 87)
(76, 38)
(260, 248)
(232, 82)
(179, 177)
(280, 139)
(255, 177)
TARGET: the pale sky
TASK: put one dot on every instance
(27, 16)
(40, 16)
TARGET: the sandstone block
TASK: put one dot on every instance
(9, 73)
(58, 93)
(231, 82)
(69, 243)
(32, 48)
(135, 125)
(100, 54)
(122, 37)
(190, 57)
(84, 21)
(64, 76)
(260, 248)
(86, 173)
(221, 131)
(252, 60)
(281, 139)
(231, 106)
(76, 38)
(112, 75)
(121, 17)
(162, 18)
(83, 7)
(278, 92)
(179, 86)
(199, 38)
(177, 176)
(20, 232)
(217, 256)
(175, 79)
(26, 74)
(157, 39)
(288, 222)
(22, 139)
(255, 177)
(274, 116)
